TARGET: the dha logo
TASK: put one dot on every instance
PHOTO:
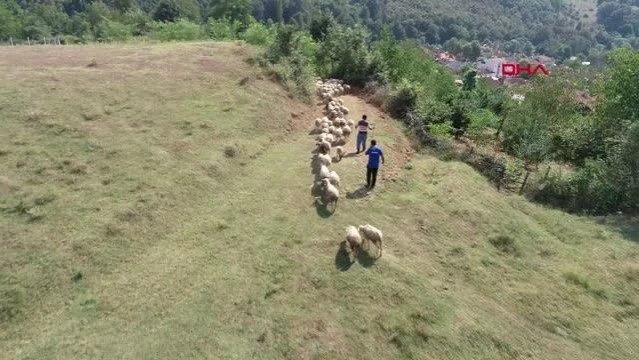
(516, 69)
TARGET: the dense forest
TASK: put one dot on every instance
(551, 27)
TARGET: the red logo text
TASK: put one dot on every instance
(516, 69)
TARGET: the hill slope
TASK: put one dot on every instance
(153, 207)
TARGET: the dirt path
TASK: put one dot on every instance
(389, 136)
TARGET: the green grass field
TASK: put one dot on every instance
(155, 206)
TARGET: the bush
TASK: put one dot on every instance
(480, 121)
(258, 34)
(403, 100)
(297, 74)
(432, 111)
(224, 29)
(180, 30)
(441, 130)
(113, 31)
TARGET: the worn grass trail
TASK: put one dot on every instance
(178, 222)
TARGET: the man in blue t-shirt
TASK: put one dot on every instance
(374, 153)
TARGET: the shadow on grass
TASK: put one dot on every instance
(322, 210)
(350, 155)
(358, 194)
(365, 259)
(342, 258)
(628, 227)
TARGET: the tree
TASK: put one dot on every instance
(9, 23)
(172, 10)
(470, 80)
(319, 26)
(233, 9)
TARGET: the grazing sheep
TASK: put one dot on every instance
(340, 101)
(340, 153)
(318, 123)
(344, 109)
(341, 141)
(325, 130)
(330, 138)
(324, 125)
(324, 159)
(321, 137)
(331, 194)
(324, 119)
(324, 173)
(350, 123)
(373, 234)
(324, 146)
(331, 129)
(334, 179)
(346, 130)
(338, 132)
(347, 87)
(353, 239)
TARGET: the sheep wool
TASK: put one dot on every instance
(331, 194)
(324, 173)
(334, 179)
(353, 238)
(372, 234)
(324, 159)
(340, 152)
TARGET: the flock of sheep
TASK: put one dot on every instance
(334, 131)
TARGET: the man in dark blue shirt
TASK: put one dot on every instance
(374, 153)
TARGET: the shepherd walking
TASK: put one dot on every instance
(363, 126)
(374, 153)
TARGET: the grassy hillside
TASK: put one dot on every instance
(157, 205)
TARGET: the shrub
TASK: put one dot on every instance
(114, 31)
(258, 34)
(481, 120)
(180, 30)
(404, 99)
(432, 111)
(224, 29)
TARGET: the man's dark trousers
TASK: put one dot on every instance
(371, 176)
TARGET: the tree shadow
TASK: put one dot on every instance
(342, 258)
(628, 227)
(322, 210)
(358, 194)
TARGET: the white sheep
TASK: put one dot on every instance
(330, 138)
(324, 159)
(324, 146)
(324, 173)
(346, 130)
(321, 137)
(372, 234)
(325, 130)
(324, 125)
(331, 194)
(318, 123)
(331, 129)
(350, 122)
(353, 239)
(344, 109)
(334, 179)
(324, 119)
(339, 151)
(340, 101)
(338, 132)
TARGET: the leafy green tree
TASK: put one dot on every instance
(233, 9)
(470, 80)
(10, 24)
(345, 55)
(320, 25)
(172, 10)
